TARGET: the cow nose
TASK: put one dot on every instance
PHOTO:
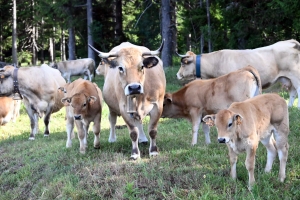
(221, 140)
(134, 89)
(77, 117)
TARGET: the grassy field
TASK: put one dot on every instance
(46, 169)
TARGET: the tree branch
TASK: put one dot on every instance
(142, 14)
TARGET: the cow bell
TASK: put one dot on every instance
(131, 104)
(17, 96)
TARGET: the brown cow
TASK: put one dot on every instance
(277, 62)
(9, 110)
(134, 87)
(201, 97)
(38, 86)
(83, 101)
(263, 118)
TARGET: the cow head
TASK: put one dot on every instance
(53, 65)
(6, 81)
(170, 108)
(227, 123)
(102, 67)
(187, 69)
(79, 103)
(132, 64)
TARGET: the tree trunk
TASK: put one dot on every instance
(42, 58)
(208, 25)
(14, 35)
(63, 46)
(71, 44)
(89, 11)
(119, 36)
(51, 50)
(166, 54)
(53, 40)
(1, 42)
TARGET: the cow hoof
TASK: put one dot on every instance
(97, 147)
(46, 135)
(134, 157)
(82, 151)
(31, 138)
(144, 143)
(112, 140)
(152, 154)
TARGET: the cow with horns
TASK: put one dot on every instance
(134, 87)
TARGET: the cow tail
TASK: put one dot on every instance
(256, 75)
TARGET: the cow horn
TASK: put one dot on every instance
(182, 56)
(102, 54)
(156, 52)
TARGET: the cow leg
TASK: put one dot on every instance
(282, 145)
(112, 121)
(270, 144)
(196, 119)
(206, 129)
(250, 164)
(134, 135)
(82, 133)
(293, 94)
(70, 133)
(142, 137)
(46, 122)
(233, 160)
(96, 130)
(154, 118)
(33, 117)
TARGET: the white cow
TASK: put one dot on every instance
(85, 66)
(277, 62)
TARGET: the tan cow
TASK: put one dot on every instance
(9, 110)
(134, 87)
(201, 97)
(277, 62)
(83, 101)
(263, 118)
(38, 87)
(85, 66)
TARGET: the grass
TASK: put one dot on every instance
(46, 169)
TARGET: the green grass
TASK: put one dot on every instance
(46, 169)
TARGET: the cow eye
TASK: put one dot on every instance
(121, 69)
(230, 124)
(84, 105)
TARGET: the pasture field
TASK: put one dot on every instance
(46, 169)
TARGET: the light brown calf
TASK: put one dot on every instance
(202, 97)
(83, 101)
(263, 118)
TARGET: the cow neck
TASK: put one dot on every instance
(198, 66)
(16, 85)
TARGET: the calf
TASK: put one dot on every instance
(201, 97)
(263, 118)
(9, 110)
(83, 101)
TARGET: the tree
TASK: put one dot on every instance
(14, 34)
(167, 33)
(89, 12)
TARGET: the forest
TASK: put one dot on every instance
(46, 31)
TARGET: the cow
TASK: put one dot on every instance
(277, 62)
(134, 87)
(85, 66)
(83, 101)
(102, 67)
(201, 97)
(263, 118)
(38, 88)
(9, 110)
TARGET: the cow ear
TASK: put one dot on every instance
(66, 101)
(209, 120)
(150, 62)
(92, 99)
(238, 118)
(62, 89)
(168, 97)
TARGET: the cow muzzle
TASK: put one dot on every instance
(77, 117)
(134, 88)
(222, 140)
